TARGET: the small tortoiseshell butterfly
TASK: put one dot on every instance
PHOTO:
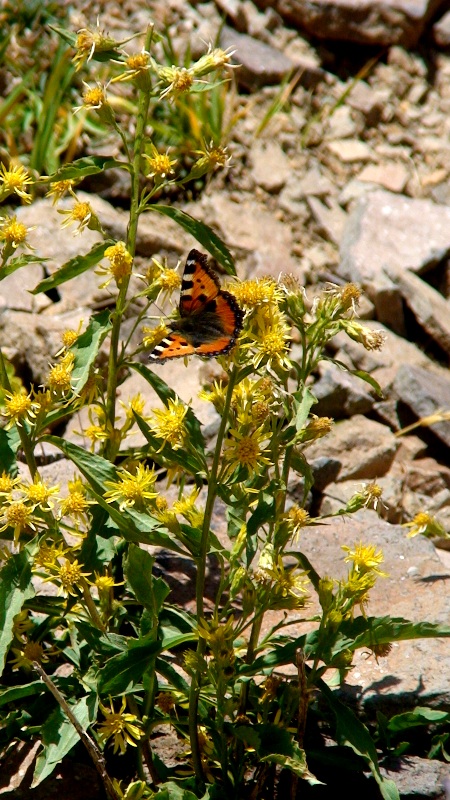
(209, 317)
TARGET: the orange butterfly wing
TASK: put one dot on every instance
(210, 318)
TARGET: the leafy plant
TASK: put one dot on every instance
(139, 662)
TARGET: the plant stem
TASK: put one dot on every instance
(201, 573)
(143, 106)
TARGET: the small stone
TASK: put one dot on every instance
(392, 177)
(350, 150)
(331, 218)
(341, 125)
(425, 393)
(368, 101)
(271, 167)
(259, 63)
(441, 31)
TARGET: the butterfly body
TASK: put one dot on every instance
(209, 317)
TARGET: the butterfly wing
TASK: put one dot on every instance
(199, 285)
(173, 346)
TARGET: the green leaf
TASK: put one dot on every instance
(350, 730)
(421, 715)
(15, 588)
(9, 445)
(17, 263)
(368, 632)
(76, 266)
(122, 672)
(11, 694)
(59, 736)
(138, 571)
(360, 373)
(87, 346)
(203, 233)
(82, 167)
(134, 526)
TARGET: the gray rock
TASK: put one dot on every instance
(425, 393)
(382, 22)
(364, 448)
(259, 63)
(331, 218)
(386, 229)
(368, 101)
(350, 150)
(270, 166)
(340, 394)
(417, 777)
(441, 31)
(391, 176)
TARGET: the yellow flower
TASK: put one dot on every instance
(298, 518)
(93, 97)
(166, 702)
(246, 450)
(59, 189)
(316, 428)
(7, 483)
(120, 261)
(60, 376)
(33, 651)
(105, 583)
(427, 525)
(215, 58)
(89, 42)
(69, 574)
(154, 336)
(48, 555)
(15, 180)
(364, 558)
(39, 494)
(168, 423)
(14, 233)
(269, 337)
(368, 497)
(371, 340)
(185, 507)
(179, 80)
(132, 489)
(18, 516)
(257, 292)
(22, 625)
(161, 166)
(19, 407)
(81, 214)
(211, 159)
(123, 727)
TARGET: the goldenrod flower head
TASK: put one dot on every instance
(256, 292)
(349, 296)
(316, 428)
(138, 70)
(89, 42)
(178, 80)
(298, 518)
(246, 450)
(59, 189)
(80, 214)
(14, 233)
(7, 483)
(325, 592)
(166, 702)
(371, 340)
(154, 336)
(69, 574)
(134, 406)
(48, 555)
(132, 488)
(161, 166)
(76, 504)
(18, 516)
(60, 376)
(138, 61)
(14, 181)
(288, 585)
(70, 336)
(185, 507)
(269, 336)
(124, 728)
(43, 400)
(364, 558)
(215, 58)
(33, 651)
(425, 524)
(368, 497)
(105, 583)
(19, 407)
(40, 495)
(380, 650)
(270, 687)
(120, 263)
(215, 394)
(210, 159)
(94, 96)
(169, 423)
(357, 587)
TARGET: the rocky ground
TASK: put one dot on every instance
(349, 181)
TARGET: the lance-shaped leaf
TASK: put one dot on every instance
(87, 346)
(15, 588)
(17, 263)
(76, 266)
(82, 167)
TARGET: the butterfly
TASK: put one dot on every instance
(209, 317)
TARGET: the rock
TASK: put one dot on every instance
(341, 124)
(330, 218)
(431, 310)
(270, 166)
(415, 672)
(234, 11)
(259, 63)
(441, 31)
(387, 229)
(368, 101)
(314, 183)
(392, 177)
(417, 777)
(339, 393)
(350, 150)
(365, 448)
(374, 22)
(425, 394)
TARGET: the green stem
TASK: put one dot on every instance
(25, 438)
(201, 573)
(143, 106)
